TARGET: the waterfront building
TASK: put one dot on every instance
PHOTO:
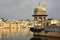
(44, 27)
(26, 23)
(40, 16)
(52, 21)
(12, 24)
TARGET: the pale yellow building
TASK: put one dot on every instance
(54, 21)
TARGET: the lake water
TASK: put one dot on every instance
(44, 38)
(21, 34)
(16, 34)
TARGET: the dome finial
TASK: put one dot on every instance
(40, 8)
(39, 3)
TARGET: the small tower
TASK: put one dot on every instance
(40, 15)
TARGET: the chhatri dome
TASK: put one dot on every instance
(40, 9)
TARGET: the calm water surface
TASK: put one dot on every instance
(44, 38)
(22, 34)
(15, 34)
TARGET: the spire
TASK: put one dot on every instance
(39, 4)
(40, 9)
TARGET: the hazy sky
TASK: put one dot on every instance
(23, 9)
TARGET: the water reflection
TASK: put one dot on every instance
(35, 39)
(44, 38)
(21, 34)
(15, 34)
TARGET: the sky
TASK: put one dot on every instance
(24, 9)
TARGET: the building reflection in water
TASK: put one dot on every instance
(21, 33)
(44, 38)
